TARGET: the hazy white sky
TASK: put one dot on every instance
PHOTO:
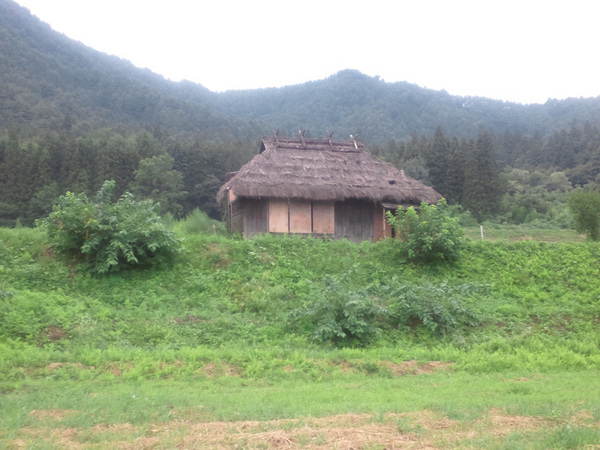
(523, 51)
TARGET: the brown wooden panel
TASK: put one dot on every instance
(278, 216)
(323, 217)
(255, 217)
(300, 216)
(379, 222)
(236, 217)
(354, 220)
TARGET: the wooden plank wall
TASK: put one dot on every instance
(278, 216)
(379, 223)
(236, 216)
(323, 217)
(255, 217)
(354, 220)
(300, 216)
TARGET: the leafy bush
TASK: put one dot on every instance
(339, 315)
(438, 308)
(428, 236)
(347, 316)
(585, 207)
(110, 236)
(199, 222)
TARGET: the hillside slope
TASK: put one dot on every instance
(50, 82)
(351, 102)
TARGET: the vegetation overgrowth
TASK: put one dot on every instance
(430, 236)
(585, 207)
(282, 317)
(110, 235)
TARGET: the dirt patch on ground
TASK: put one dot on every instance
(421, 430)
(396, 369)
(54, 333)
(222, 369)
(498, 423)
(53, 366)
(414, 367)
(52, 414)
(344, 366)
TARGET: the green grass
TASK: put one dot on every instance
(518, 233)
(462, 397)
(211, 338)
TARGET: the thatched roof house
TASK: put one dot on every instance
(318, 187)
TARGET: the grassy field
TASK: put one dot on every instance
(518, 233)
(228, 347)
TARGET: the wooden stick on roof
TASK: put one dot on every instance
(301, 133)
(329, 139)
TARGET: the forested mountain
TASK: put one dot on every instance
(49, 82)
(350, 102)
(72, 117)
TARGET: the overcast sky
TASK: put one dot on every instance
(522, 51)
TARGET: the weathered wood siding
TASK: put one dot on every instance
(278, 216)
(236, 216)
(300, 216)
(255, 217)
(379, 223)
(235, 213)
(354, 220)
(323, 217)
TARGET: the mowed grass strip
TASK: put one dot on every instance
(439, 409)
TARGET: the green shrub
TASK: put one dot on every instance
(438, 308)
(339, 315)
(110, 236)
(585, 207)
(199, 222)
(428, 236)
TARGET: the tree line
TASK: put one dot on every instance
(507, 177)
(181, 172)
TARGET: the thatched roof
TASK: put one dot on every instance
(321, 169)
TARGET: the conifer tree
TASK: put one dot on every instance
(483, 184)
(455, 177)
(437, 159)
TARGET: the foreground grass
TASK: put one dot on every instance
(443, 409)
(204, 354)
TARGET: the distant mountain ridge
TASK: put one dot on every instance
(49, 82)
(351, 102)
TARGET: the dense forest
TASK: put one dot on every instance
(353, 103)
(72, 117)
